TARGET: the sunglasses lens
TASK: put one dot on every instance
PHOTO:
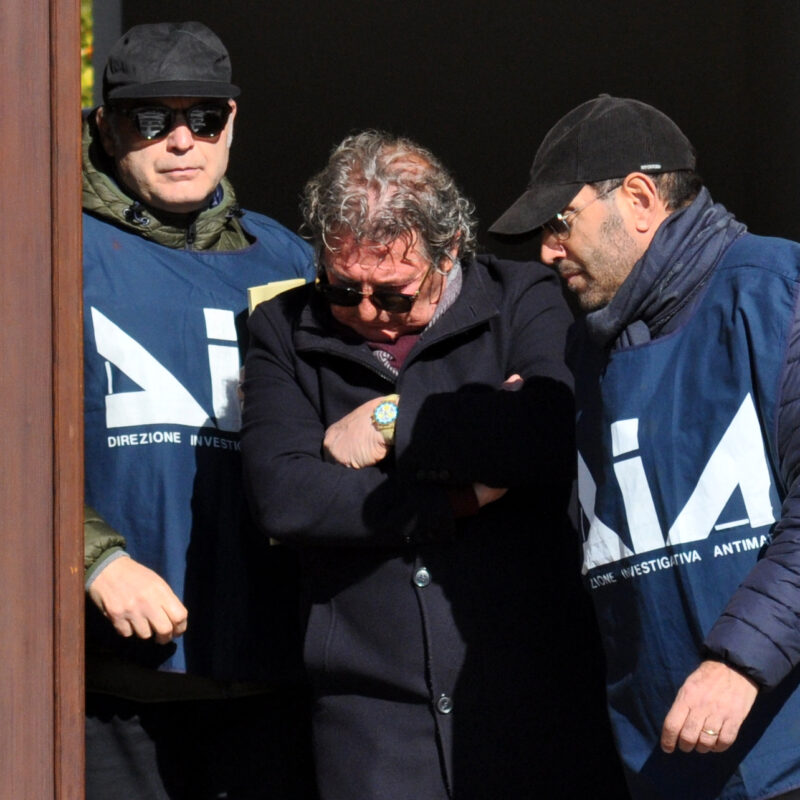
(207, 121)
(558, 226)
(393, 301)
(152, 122)
(339, 295)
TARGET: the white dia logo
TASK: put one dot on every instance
(163, 399)
(739, 461)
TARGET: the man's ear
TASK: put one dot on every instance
(104, 129)
(642, 202)
(448, 262)
(234, 108)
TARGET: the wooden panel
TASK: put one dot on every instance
(67, 400)
(40, 475)
(26, 504)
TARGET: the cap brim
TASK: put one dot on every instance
(174, 89)
(536, 205)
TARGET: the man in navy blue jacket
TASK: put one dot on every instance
(687, 431)
(194, 686)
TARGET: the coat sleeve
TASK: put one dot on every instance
(101, 544)
(298, 497)
(759, 631)
(505, 438)
(450, 438)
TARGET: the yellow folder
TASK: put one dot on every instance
(258, 294)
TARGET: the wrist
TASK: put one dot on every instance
(384, 417)
(109, 556)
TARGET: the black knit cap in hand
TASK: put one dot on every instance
(608, 137)
(168, 59)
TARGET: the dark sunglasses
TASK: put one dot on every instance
(394, 302)
(205, 120)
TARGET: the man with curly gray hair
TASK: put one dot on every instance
(393, 419)
(380, 187)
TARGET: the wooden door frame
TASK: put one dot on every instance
(41, 461)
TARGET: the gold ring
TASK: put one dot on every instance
(710, 732)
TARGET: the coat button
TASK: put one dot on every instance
(444, 705)
(422, 577)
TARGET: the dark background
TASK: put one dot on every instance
(480, 82)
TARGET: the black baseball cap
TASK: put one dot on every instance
(168, 59)
(608, 137)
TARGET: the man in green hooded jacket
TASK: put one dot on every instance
(194, 686)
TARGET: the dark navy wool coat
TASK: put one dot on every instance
(449, 657)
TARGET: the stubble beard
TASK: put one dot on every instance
(609, 263)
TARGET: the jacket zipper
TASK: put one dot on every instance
(191, 234)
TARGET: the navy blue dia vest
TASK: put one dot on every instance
(163, 339)
(679, 489)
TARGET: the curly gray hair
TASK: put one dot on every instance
(378, 187)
